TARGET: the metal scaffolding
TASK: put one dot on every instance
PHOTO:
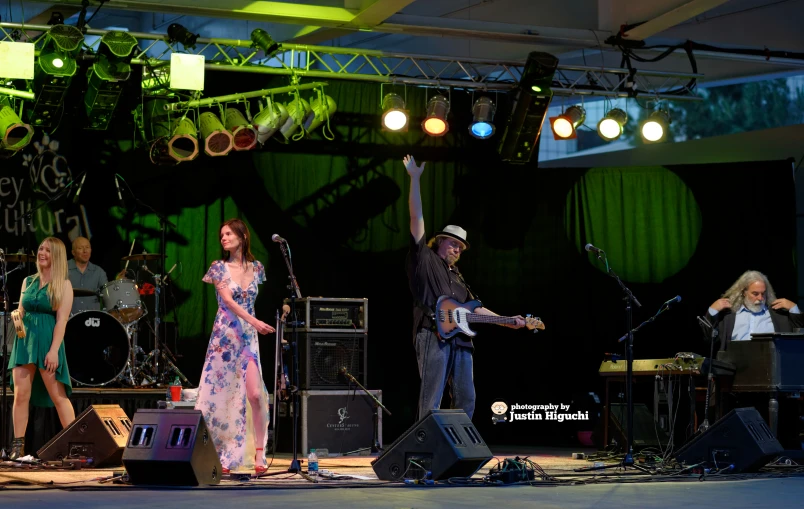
(326, 62)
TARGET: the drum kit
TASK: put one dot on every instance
(101, 346)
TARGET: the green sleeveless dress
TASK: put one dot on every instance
(39, 320)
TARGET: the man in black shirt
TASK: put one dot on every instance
(431, 274)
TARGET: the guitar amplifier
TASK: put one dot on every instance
(331, 314)
(323, 354)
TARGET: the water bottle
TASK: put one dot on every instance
(312, 464)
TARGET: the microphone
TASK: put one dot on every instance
(677, 298)
(276, 238)
(80, 186)
(593, 249)
(119, 196)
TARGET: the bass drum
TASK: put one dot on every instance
(97, 348)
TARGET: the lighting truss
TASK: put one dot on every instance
(325, 62)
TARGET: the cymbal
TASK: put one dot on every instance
(143, 257)
(20, 258)
(83, 292)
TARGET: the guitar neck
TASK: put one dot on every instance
(478, 318)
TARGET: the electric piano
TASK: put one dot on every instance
(683, 364)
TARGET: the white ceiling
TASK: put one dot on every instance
(488, 29)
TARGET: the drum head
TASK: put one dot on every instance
(97, 348)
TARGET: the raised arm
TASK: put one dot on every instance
(415, 198)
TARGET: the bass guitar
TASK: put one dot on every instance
(453, 317)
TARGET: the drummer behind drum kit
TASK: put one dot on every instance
(101, 346)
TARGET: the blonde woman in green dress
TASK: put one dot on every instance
(37, 361)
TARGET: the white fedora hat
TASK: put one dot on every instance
(456, 232)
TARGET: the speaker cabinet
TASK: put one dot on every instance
(444, 442)
(100, 432)
(171, 447)
(323, 354)
(647, 432)
(740, 438)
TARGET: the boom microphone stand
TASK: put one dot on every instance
(295, 292)
(375, 447)
(628, 460)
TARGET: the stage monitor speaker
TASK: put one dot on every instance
(444, 442)
(647, 433)
(100, 432)
(171, 447)
(740, 438)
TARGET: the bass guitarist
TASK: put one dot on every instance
(431, 274)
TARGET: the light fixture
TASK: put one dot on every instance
(435, 122)
(183, 144)
(323, 108)
(56, 18)
(187, 71)
(177, 33)
(523, 126)
(107, 76)
(244, 136)
(269, 119)
(394, 116)
(482, 126)
(654, 128)
(262, 40)
(610, 127)
(14, 134)
(298, 112)
(564, 126)
(217, 140)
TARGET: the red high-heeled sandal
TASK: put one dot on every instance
(259, 469)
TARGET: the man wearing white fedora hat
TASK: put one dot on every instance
(432, 273)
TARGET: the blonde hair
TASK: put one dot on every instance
(735, 292)
(58, 270)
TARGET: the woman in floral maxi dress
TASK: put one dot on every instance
(232, 372)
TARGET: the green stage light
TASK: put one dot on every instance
(53, 74)
(269, 120)
(14, 134)
(183, 144)
(244, 135)
(610, 127)
(107, 77)
(217, 140)
(298, 112)
(323, 108)
(262, 40)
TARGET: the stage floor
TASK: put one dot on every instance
(357, 487)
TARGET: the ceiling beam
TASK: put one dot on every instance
(671, 18)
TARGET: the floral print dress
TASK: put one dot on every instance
(222, 391)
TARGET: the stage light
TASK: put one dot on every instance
(269, 119)
(56, 18)
(298, 112)
(183, 145)
(564, 126)
(107, 76)
(532, 97)
(323, 108)
(187, 71)
(610, 127)
(262, 40)
(654, 128)
(59, 50)
(394, 116)
(17, 60)
(244, 136)
(435, 122)
(217, 140)
(482, 126)
(14, 134)
(177, 33)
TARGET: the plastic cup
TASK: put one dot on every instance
(175, 392)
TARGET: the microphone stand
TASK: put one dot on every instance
(709, 377)
(375, 447)
(295, 405)
(628, 460)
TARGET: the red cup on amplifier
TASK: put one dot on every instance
(175, 392)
